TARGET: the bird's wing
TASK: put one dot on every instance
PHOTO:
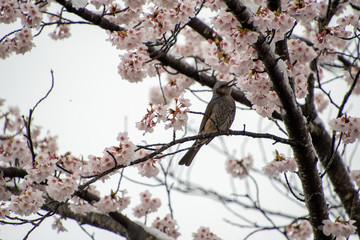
(208, 113)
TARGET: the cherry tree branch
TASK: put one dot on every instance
(294, 122)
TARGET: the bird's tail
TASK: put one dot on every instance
(189, 156)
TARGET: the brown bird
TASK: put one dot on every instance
(218, 116)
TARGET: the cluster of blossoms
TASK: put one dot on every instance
(173, 89)
(166, 225)
(135, 66)
(112, 202)
(340, 229)
(28, 202)
(61, 189)
(320, 102)
(122, 154)
(175, 118)
(147, 205)
(258, 90)
(20, 44)
(62, 30)
(204, 233)
(280, 164)
(349, 127)
(239, 168)
(279, 22)
(299, 231)
(42, 169)
(147, 168)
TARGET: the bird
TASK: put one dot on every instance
(219, 115)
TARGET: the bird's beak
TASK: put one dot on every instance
(231, 83)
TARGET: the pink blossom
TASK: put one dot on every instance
(9, 11)
(28, 202)
(349, 127)
(175, 86)
(61, 189)
(4, 193)
(320, 102)
(177, 117)
(134, 4)
(129, 39)
(4, 211)
(224, 21)
(300, 52)
(147, 168)
(113, 203)
(58, 226)
(355, 175)
(279, 165)
(31, 15)
(80, 206)
(133, 66)
(338, 228)
(304, 11)
(166, 225)
(239, 168)
(350, 78)
(147, 205)
(99, 3)
(70, 163)
(299, 231)
(42, 169)
(123, 153)
(123, 16)
(23, 41)
(165, 3)
(204, 233)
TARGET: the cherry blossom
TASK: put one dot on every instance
(58, 225)
(29, 201)
(204, 233)
(177, 117)
(61, 189)
(175, 86)
(303, 11)
(113, 203)
(9, 11)
(147, 205)
(42, 169)
(166, 225)
(355, 175)
(299, 231)
(78, 205)
(350, 76)
(23, 41)
(4, 211)
(157, 112)
(239, 168)
(349, 127)
(338, 228)
(4, 193)
(134, 66)
(129, 39)
(279, 165)
(320, 102)
(31, 15)
(147, 168)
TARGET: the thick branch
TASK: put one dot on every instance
(294, 122)
(90, 16)
(99, 220)
(192, 72)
